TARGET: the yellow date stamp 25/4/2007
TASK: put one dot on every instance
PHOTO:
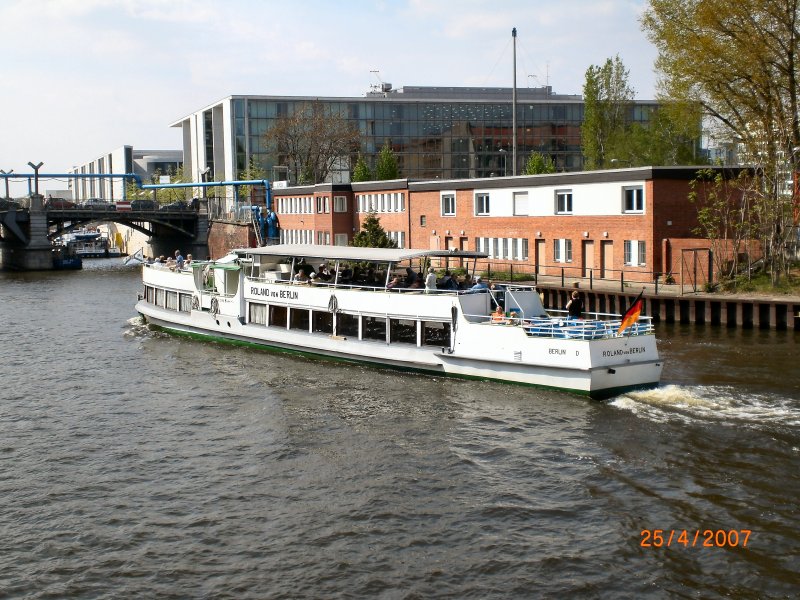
(698, 538)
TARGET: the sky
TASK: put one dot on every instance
(80, 78)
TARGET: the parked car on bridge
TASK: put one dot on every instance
(98, 204)
(6, 204)
(144, 205)
(178, 205)
(59, 203)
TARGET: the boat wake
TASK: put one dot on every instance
(721, 404)
(135, 327)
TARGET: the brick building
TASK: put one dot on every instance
(607, 224)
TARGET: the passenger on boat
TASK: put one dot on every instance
(575, 306)
(480, 285)
(498, 316)
(417, 284)
(301, 277)
(430, 281)
(394, 283)
(323, 273)
(448, 282)
(188, 260)
(312, 279)
(178, 260)
(411, 277)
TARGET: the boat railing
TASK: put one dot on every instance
(568, 328)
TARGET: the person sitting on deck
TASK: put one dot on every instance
(448, 282)
(301, 277)
(323, 273)
(480, 285)
(498, 316)
(178, 260)
(188, 260)
(395, 283)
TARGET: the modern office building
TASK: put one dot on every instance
(144, 163)
(434, 132)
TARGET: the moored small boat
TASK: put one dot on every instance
(257, 296)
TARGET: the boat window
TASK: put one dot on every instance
(435, 333)
(347, 325)
(172, 301)
(374, 329)
(160, 297)
(185, 303)
(403, 331)
(258, 314)
(321, 322)
(150, 294)
(277, 316)
(299, 318)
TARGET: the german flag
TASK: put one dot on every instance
(632, 314)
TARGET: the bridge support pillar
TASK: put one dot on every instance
(36, 253)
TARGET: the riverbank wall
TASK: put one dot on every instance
(746, 312)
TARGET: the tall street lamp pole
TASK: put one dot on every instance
(35, 176)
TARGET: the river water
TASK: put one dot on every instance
(134, 464)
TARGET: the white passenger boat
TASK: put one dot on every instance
(251, 296)
(86, 243)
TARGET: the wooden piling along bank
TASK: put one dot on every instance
(746, 313)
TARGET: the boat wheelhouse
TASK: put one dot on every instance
(343, 306)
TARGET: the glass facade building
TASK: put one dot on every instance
(434, 132)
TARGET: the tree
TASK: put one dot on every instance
(539, 163)
(253, 171)
(372, 234)
(607, 97)
(314, 139)
(361, 171)
(739, 61)
(386, 166)
(723, 216)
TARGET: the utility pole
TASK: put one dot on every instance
(6, 173)
(35, 176)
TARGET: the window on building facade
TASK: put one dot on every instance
(323, 204)
(564, 202)
(562, 250)
(423, 221)
(481, 204)
(339, 204)
(520, 203)
(340, 239)
(635, 253)
(634, 200)
(448, 205)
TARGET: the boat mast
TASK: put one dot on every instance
(514, 108)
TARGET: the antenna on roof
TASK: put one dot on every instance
(376, 87)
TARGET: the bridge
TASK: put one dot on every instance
(27, 230)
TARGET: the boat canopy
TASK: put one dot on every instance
(393, 255)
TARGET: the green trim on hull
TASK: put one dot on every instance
(604, 394)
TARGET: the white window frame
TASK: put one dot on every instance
(563, 202)
(636, 194)
(340, 239)
(520, 201)
(448, 205)
(562, 250)
(482, 205)
(339, 204)
(634, 253)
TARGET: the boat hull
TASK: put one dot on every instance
(598, 382)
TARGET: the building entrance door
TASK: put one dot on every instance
(539, 258)
(588, 257)
(606, 259)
